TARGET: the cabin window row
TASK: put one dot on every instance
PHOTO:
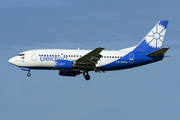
(60, 55)
(78, 56)
(111, 57)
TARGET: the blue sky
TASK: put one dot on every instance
(147, 92)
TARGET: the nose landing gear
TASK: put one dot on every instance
(26, 69)
(86, 75)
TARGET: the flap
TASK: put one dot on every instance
(91, 56)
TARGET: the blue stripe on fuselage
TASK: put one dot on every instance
(124, 63)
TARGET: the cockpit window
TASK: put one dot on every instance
(21, 54)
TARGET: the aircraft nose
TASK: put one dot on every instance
(11, 60)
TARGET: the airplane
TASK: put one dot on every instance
(71, 62)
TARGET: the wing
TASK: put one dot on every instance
(90, 58)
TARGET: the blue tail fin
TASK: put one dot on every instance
(153, 40)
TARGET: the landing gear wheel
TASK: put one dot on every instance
(28, 74)
(85, 73)
(87, 77)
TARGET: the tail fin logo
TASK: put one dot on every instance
(155, 37)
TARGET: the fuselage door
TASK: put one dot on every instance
(34, 56)
(131, 58)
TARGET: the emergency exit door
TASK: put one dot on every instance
(131, 58)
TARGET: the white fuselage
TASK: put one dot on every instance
(47, 57)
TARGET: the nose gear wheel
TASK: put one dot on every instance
(28, 74)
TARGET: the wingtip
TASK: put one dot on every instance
(101, 47)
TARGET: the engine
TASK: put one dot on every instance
(69, 73)
(64, 64)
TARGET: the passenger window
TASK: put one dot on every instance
(109, 56)
(112, 56)
(104, 56)
(71, 55)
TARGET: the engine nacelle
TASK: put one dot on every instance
(69, 73)
(64, 64)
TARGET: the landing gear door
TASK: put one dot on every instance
(131, 58)
(34, 56)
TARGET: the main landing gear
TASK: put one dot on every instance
(28, 74)
(86, 75)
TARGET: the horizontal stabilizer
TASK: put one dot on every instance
(159, 52)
